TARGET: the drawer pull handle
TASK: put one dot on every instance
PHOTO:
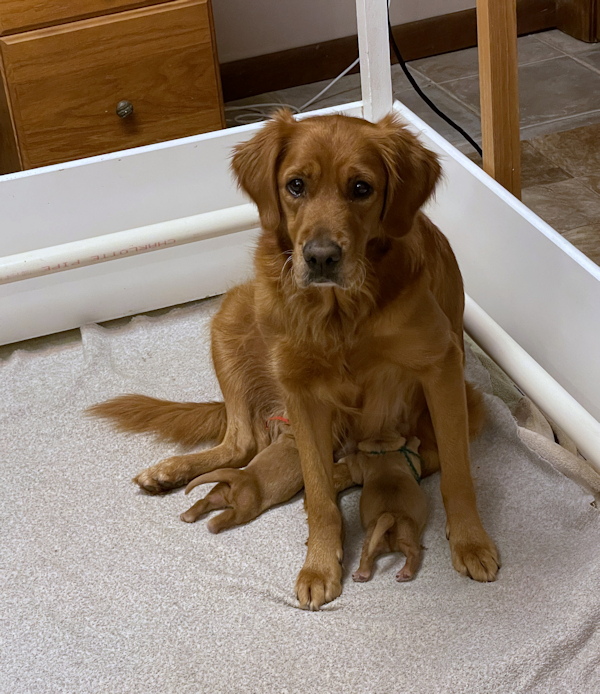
(124, 109)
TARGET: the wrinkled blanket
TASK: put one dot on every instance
(104, 589)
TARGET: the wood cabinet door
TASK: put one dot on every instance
(24, 15)
(64, 83)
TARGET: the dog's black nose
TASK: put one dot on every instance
(322, 255)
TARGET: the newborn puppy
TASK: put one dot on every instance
(273, 476)
(393, 507)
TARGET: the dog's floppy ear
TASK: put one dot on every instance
(412, 174)
(255, 165)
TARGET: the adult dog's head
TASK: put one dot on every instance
(327, 188)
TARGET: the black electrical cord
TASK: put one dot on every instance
(424, 96)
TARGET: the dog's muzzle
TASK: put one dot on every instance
(323, 259)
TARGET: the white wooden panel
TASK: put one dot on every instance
(538, 287)
(123, 287)
(101, 195)
(544, 390)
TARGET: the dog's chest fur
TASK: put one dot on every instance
(353, 360)
(390, 398)
(373, 395)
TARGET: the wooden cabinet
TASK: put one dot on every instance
(62, 83)
(23, 15)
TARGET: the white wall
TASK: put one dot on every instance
(246, 28)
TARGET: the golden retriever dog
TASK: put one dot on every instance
(393, 507)
(352, 324)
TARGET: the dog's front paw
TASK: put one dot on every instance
(315, 587)
(168, 474)
(474, 554)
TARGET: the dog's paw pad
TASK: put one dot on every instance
(404, 575)
(316, 587)
(361, 576)
(476, 557)
(188, 517)
(166, 475)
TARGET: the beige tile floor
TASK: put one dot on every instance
(559, 80)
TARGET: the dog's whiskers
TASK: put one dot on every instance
(359, 277)
(282, 276)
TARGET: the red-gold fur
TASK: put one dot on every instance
(345, 361)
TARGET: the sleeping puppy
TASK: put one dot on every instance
(393, 507)
(273, 477)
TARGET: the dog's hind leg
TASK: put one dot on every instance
(236, 494)
(248, 391)
(216, 499)
(240, 494)
(408, 541)
(238, 449)
(375, 544)
(365, 568)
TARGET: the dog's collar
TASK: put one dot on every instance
(407, 453)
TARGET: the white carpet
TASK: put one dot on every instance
(104, 589)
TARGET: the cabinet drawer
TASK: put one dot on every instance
(22, 15)
(64, 83)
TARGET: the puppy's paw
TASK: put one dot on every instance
(168, 474)
(474, 555)
(315, 587)
(361, 576)
(405, 574)
(199, 509)
(189, 516)
(342, 479)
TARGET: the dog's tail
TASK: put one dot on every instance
(229, 475)
(384, 523)
(188, 423)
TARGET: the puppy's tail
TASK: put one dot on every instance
(189, 423)
(229, 475)
(384, 523)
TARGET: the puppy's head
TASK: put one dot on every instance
(328, 186)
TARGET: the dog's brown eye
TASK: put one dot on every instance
(296, 187)
(361, 190)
